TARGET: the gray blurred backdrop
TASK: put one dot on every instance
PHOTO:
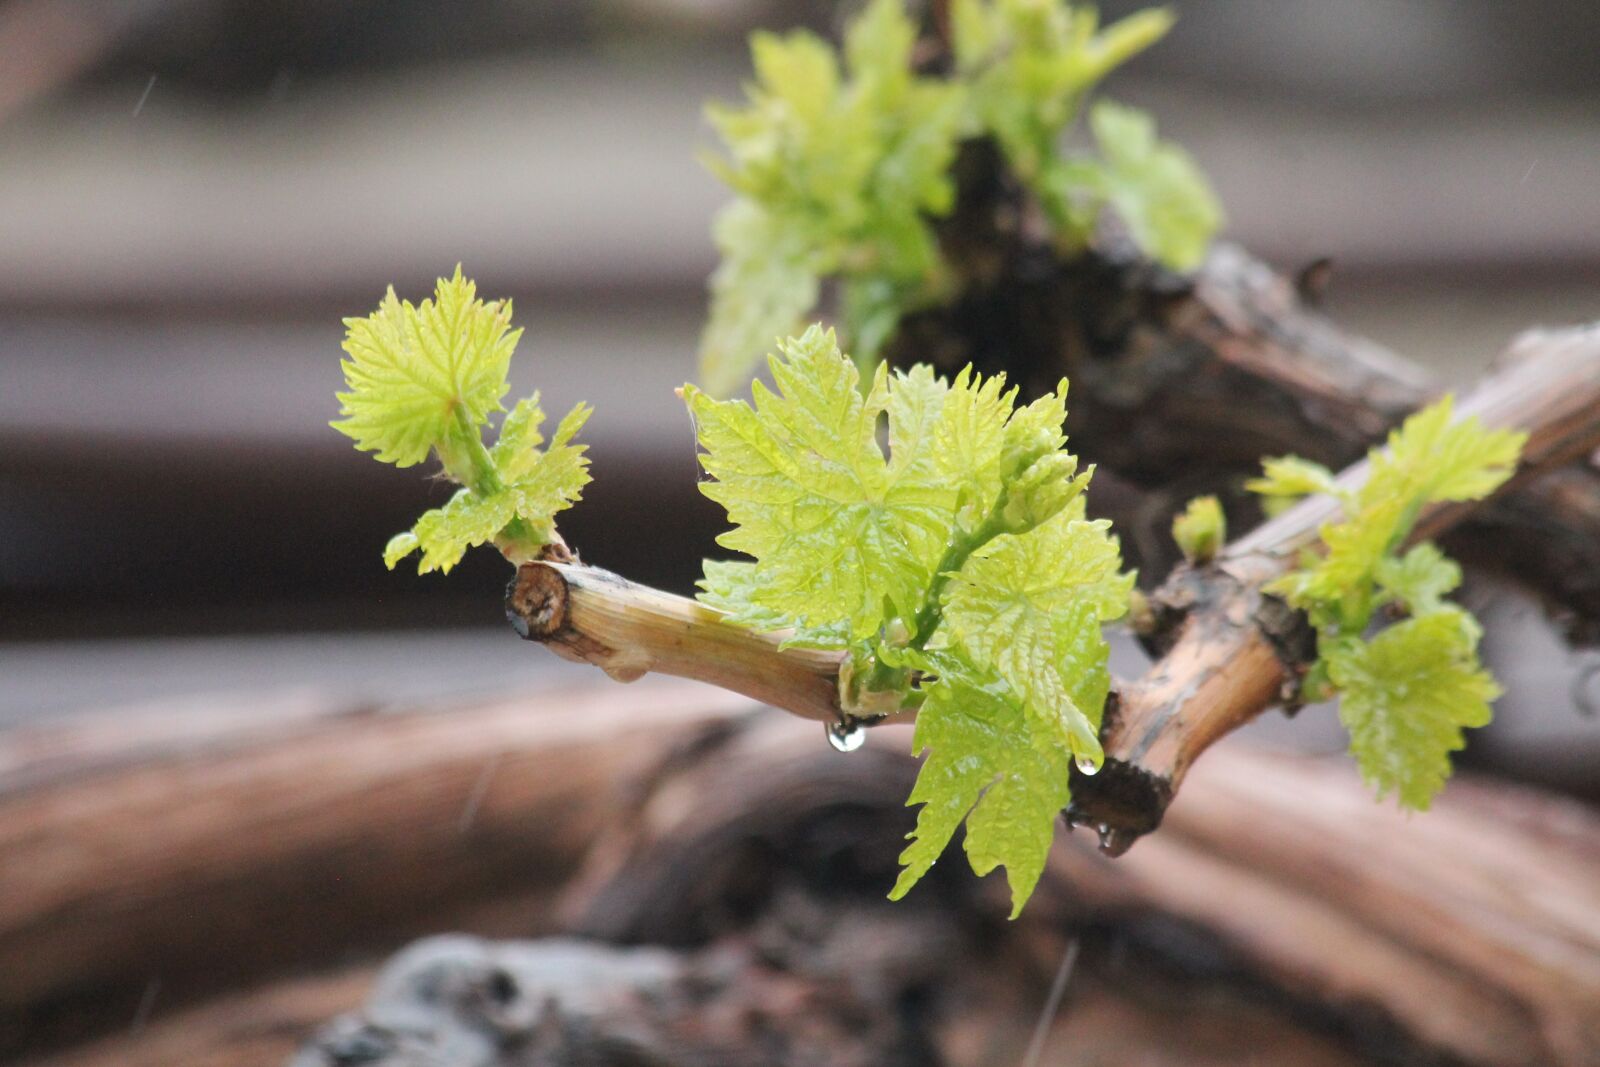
(193, 192)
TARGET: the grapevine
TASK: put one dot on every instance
(954, 573)
(922, 544)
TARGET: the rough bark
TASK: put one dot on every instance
(1229, 652)
(1181, 385)
(1280, 912)
(200, 849)
(761, 863)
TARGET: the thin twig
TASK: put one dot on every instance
(1052, 1005)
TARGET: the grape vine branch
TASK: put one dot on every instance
(916, 536)
(1227, 651)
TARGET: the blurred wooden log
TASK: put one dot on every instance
(1279, 910)
(203, 849)
(260, 1028)
(1472, 931)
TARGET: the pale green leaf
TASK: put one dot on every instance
(1292, 477)
(399, 547)
(731, 586)
(518, 512)
(1420, 579)
(444, 534)
(519, 439)
(836, 529)
(759, 292)
(541, 484)
(1124, 39)
(838, 167)
(420, 375)
(1339, 583)
(1034, 431)
(1029, 607)
(1200, 529)
(1158, 191)
(984, 764)
(1030, 64)
(971, 442)
(1429, 458)
(1434, 457)
(1043, 490)
(1405, 697)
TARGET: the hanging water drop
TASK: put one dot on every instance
(1116, 842)
(1086, 765)
(846, 736)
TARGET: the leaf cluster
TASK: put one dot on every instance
(955, 568)
(425, 379)
(1030, 66)
(1409, 688)
(841, 162)
(838, 162)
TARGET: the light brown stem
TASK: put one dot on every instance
(1232, 652)
(593, 616)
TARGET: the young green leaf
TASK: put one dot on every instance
(1434, 457)
(766, 281)
(837, 529)
(1030, 63)
(841, 162)
(1200, 529)
(1419, 580)
(1429, 459)
(1406, 693)
(1287, 480)
(1405, 697)
(1029, 608)
(838, 167)
(963, 554)
(1156, 188)
(422, 376)
(517, 512)
(984, 765)
(425, 379)
(1292, 477)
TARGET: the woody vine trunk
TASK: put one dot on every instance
(1229, 651)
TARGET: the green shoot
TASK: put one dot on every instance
(932, 535)
(425, 379)
(1200, 530)
(1409, 690)
(957, 573)
(840, 164)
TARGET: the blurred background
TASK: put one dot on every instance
(194, 192)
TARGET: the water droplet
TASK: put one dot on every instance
(846, 736)
(1086, 765)
(1116, 842)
